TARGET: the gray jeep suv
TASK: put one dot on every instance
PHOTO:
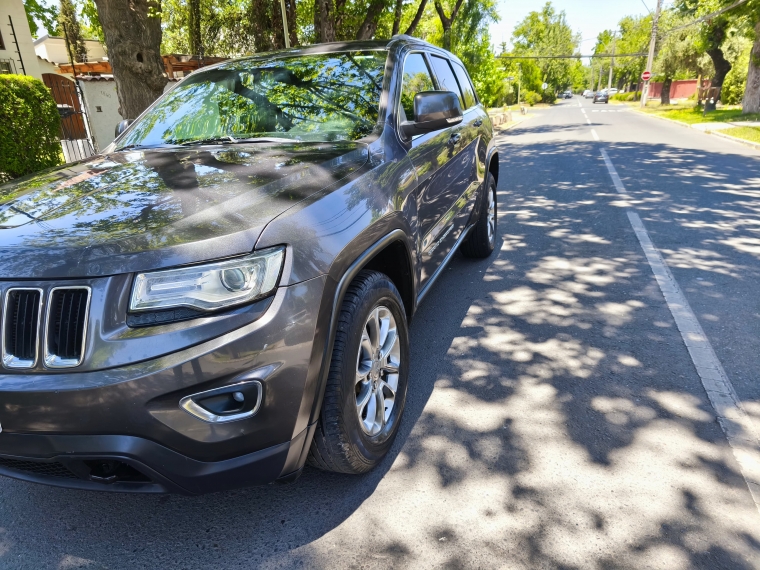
(223, 294)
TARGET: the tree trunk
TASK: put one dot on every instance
(132, 29)
(417, 17)
(665, 93)
(324, 21)
(751, 100)
(266, 23)
(447, 21)
(369, 25)
(292, 12)
(721, 64)
(716, 36)
(194, 27)
(397, 16)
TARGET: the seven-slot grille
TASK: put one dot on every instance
(62, 333)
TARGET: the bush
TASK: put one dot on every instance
(548, 96)
(631, 96)
(736, 80)
(29, 127)
(531, 97)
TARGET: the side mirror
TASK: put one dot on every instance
(434, 110)
(122, 126)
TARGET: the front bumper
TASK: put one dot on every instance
(123, 429)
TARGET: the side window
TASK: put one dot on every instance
(468, 91)
(416, 78)
(446, 79)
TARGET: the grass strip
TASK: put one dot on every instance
(747, 133)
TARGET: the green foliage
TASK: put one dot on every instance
(29, 126)
(548, 33)
(90, 22)
(631, 96)
(736, 80)
(37, 10)
(680, 56)
(531, 97)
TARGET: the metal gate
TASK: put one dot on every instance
(75, 135)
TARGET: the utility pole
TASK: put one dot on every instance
(519, 81)
(650, 57)
(612, 61)
(285, 24)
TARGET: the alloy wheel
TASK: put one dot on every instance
(491, 217)
(377, 370)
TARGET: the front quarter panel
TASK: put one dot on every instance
(328, 231)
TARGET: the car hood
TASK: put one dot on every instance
(146, 209)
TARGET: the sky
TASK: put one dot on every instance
(589, 17)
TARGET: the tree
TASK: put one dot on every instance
(90, 22)
(548, 33)
(751, 100)
(679, 53)
(36, 10)
(712, 33)
(447, 21)
(133, 36)
(72, 31)
(194, 27)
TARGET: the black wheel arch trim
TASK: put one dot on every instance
(332, 308)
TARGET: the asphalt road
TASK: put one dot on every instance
(555, 417)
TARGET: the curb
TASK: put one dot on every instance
(718, 133)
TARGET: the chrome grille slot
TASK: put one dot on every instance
(21, 323)
(67, 312)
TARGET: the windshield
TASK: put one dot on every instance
(310, 97)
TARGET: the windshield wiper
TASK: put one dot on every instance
(143, 146)
(231, 140)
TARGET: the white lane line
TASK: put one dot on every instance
(583, 111)
(732, 417)
(588, 120)
(593, 134)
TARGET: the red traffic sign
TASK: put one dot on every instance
(646, 76)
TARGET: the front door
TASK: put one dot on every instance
(434, 156)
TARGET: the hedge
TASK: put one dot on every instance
(29, 127)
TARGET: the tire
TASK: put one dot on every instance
(345, 441)
(482, 239)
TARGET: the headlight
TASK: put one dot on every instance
(209, 287)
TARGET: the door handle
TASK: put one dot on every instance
(454, 138)
(478, 122)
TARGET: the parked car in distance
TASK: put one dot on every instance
(601, 97)
(567, 94)
(588, 94)
(224, 293)
(612, 91)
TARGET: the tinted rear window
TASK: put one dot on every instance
(446, 79)
(468, 91)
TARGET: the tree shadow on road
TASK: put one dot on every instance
(554, 418)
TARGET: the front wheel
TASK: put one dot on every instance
(366, 386)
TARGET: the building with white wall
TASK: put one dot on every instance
(53, 49)
(17, 53)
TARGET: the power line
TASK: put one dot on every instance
(637, 54)
(707, 17)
